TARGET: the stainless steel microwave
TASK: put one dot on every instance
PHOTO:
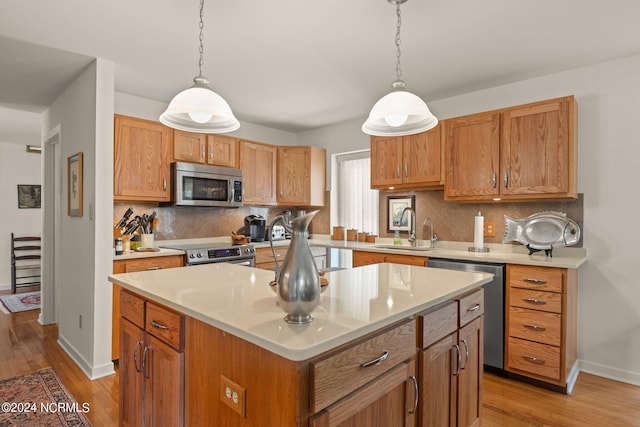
(205, 185)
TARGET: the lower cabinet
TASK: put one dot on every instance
(360, 258)
(151, 364)
(265, 257)
(450, 362)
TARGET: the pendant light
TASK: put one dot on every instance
(399, 112)
(200, 109)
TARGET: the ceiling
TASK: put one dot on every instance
(297, 65)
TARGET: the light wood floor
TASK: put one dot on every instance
(26, 346)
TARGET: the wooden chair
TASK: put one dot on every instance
(25, 262)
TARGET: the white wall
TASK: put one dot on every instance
(84, 112)
(16, 167)
(608, 97)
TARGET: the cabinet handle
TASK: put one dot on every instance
(457, 372)
(534, 327)
(474, 308)
(534, 281)
(144, 361)
(416, 396)
(534, 301)
(154, 268)
(398, 171)
(211, 152)
(506, 179)
(202, 151)
(376, 361)
(466, 352)
(164, 183)
(494, 180)
(159, 325)
(135, 356)
(406, 170)
(533, 359)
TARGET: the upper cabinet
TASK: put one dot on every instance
(205, 148)
(141, 160)
(301, 176)
(258, 163)
(406, 162)
(518, 153)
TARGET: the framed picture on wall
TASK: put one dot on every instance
(395, 206)
(29, 196)
(74, 185)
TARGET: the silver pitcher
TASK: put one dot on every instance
(297, 278)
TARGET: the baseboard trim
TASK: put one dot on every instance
(92, 372)
(615, 374)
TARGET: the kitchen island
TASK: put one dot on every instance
(214, 349)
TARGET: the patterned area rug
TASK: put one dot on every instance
(39, 399)
(14, 303)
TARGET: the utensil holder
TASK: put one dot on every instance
(147, 241)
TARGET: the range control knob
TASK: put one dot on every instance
(192, 255)
(199, 254)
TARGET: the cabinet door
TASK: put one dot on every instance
(222, 151)
(537, 148)
(472, 156)
(438, 386)
(258, 164)
(470, 377)
(189, 146)
(164, 384)
(388, 401)
(420, 261)
(386, 161)
(422, 154)
(294, 175)
(141, 160)
(131, 380)
(360, 258)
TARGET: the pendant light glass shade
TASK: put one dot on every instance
(200, 109)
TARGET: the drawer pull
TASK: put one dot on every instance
(376, 361)
(417, 392)
(474, 308)
(534, 327)
(533, 359)
(135, 356)
(457, 372)
(534, 301)
(159, 325)
(534, 281)
(154, 268)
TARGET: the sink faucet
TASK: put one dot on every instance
(433, 237)
(412, 233)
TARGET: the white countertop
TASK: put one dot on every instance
(238, 300)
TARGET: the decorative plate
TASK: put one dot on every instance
(542, 231)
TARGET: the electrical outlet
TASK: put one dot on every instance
(489, 229)
(233, 395)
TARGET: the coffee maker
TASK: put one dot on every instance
(254, 227)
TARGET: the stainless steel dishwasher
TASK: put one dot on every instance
(493, 306)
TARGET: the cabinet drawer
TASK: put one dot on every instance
(343, 372)
(132, 308)
(535, 325)
(539, 278)
(471, 306)
(264, 255)
(437, 323)
(537, 300)
(536, 358)
(152, 263)
(166, 325)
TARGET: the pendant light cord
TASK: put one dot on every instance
(202, 38)
(398, 69)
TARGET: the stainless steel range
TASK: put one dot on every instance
(197, 254)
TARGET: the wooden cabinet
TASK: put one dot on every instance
(130, 266)
(265, 257)
(360, 258)
(258, 163)
(151, 364)
(301, 176)
(412, 161)
(141, 160)
(541, 324)
(518, 153)
(205, 148)
(451, 362)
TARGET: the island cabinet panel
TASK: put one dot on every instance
(277, 389)
(141, 160)
(131, 381)
(451, 363)
(541, 324)
(258, 163)
(360, 258)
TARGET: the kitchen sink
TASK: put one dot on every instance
(405, 247)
